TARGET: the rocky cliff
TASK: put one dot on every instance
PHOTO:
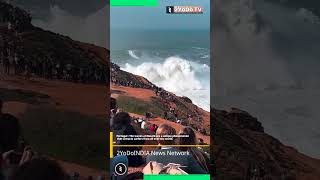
(242, 150)
(19, 18)
(37, 45)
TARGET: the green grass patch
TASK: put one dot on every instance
(25, 96)
(67, 136)
(137, 106)
(181, 106)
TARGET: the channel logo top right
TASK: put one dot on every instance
(184, 10)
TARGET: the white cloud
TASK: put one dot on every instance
(92, 29)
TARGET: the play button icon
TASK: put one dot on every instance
(120, 169)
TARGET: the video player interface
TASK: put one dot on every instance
(160, 89)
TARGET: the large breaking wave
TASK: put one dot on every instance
(178, 75)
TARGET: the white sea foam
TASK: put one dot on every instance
(132, 54)
(204, 56)
(180, 76)
(199, 48)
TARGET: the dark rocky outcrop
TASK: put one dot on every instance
(243, 120)
(37, 45)
(186, 99)
(38, 42)
(242, 150)
(19, 18)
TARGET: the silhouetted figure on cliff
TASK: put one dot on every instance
(9, 130)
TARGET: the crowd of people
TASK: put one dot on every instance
(167, 98)
(190, 159)
(14, 61)
(18, 161)
(145, 125)
(127, 81)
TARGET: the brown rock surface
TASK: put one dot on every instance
(241, 150)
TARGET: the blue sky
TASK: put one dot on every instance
(156, 17)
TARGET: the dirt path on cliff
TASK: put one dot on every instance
(143, 94)
(158, 121)
(89, 99)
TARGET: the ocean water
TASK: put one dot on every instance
(178, 61)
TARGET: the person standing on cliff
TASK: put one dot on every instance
(5, 58)
(28, 69)
(16, 64)
(9, 130)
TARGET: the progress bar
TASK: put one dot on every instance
(134, 2)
